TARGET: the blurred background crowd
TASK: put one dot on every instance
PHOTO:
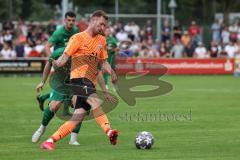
(22, 39)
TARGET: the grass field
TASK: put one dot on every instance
(210, 132)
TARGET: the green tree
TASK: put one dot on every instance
(10, 9)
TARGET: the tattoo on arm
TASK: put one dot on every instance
(62, 60)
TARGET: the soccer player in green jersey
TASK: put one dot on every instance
(111, 51)
(58, 40)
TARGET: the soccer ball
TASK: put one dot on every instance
(144, 140)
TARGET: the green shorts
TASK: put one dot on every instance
(56, 96)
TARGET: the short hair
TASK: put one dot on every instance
(70, 14)
(99, 13)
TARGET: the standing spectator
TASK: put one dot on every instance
(177, 32)
(201, 51)
(143, 36)
(216, 31)
(233, 29)
(7, 52)
(21, 28)
(225, 36)
(82, 25)
(166, 31)
(51, 27)
(148, 28)
(135, 30)
(177, 50)
(118, 27)
(231, 49)
(128, 29)
(194, 31)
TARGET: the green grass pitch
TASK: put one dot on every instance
(206, 124)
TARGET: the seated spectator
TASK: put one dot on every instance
(143, 53)
(7, 52)
(189, 50)
(7, 36)
(163, 50)
(201, 51)
(125, 49)
(135, 48)
(27, 49)
(153, 52)
(19, 48)
(214, 49)
(122, 36)
(186, 39)
(231, 49)
(39, 47)
(177, 50)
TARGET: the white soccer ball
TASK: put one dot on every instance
(144, 140)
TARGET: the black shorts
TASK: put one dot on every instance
(83, 88)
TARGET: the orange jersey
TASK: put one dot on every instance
(86, 53)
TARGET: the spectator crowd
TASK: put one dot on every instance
(27, 39)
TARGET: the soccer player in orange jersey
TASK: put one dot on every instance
(87, 50)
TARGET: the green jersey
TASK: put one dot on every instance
(62, 74)
(111, 46)
(60, 37)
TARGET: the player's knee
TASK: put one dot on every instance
(94, 101)
(54, 106)
(78, 115)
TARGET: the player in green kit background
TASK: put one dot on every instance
(112, 50)
(58, 40)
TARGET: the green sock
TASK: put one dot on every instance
(47, 116)
(77, 128)
(45, 96)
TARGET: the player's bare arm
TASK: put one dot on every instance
(107, 68)
(61, 61)
(45, 74)
(102, 84)
(47, 48)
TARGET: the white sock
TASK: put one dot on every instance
(50, 140)
(107, 87)
(42, 127)
(73, 137)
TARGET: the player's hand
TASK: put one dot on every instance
(114, 77)
(108, 97)
(54, 64)
(39, 87)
